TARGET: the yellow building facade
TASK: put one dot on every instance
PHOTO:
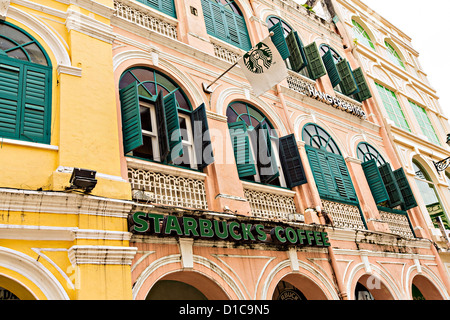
(93, 205)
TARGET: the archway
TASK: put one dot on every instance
(12, 290)
(370, 287)
(424, 289)
(297, 287)
(186, 285)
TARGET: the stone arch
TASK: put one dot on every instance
(427, 282)
(376, 280)
(40, 282)
(131, 58)
(366, 28)
(210, 273)
(230, 95)
(47, 37)
(307, 274)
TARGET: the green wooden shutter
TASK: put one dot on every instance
(405, 189)
(208, 16)
(10, 99)
(202, 138)
(316, 69)
(165, 6)
(364, 91)
(395, 196)
(296, 58)
(333, 73)
(131, 118)
(242, 152)
(173, 127)
(348, 83)
(163, 137)
(375, 181)
(36, 115)
(321, 170)
(279, 41)
(244, 39)
(265, 161)
(292, 165)
(341, 176)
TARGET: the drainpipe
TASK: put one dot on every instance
(340, 286)
(334, 267)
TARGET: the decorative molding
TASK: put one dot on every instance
(216, 116)
(28, 144)
(73, 71)
(4, 5)
(89, 26)
(104, 255)
(62, 203)
(187, 258)
(44, 233)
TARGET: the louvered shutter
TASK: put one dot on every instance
(341, 176)
(291, 162)
(405, 189)
(364, 91)
(395, 196)
(375, 181)
(242, 152)
(244, 39)
(322, 174)
(332, 71)
(295, 48)
(36, 101)
(165, 6)
(208, 17)
(316, 69)
(163, 137)
(348, 83)
(173, 127)
(131, 118)
(279, 41)
(265, 161)
(202, 138)
(10, 99)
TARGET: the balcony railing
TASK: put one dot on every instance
(160, 184)
(344, 215)
(133, 13)
(397, 221)
(271, 203)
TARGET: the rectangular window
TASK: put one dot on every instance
(424, 123)
(393, 107)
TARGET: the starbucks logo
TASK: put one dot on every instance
(258, 59)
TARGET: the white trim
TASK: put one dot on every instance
(73, 71)
(44, 233)
(28, 144)
(89, 26)
(62, 203)
(103, 255)
(65, 169)
(34, 271)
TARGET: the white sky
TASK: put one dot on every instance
(428, 25)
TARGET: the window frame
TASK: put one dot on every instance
(394, 56)
(361, 35)
(391, 108)
(424, 122)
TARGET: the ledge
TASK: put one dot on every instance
(28, 144)
(269, 189)
(163, 168)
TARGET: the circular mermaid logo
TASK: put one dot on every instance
(258, 59)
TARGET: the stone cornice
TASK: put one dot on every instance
(103, 255)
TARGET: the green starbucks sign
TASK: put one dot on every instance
(186, 226)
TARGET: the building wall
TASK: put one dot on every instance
(58, 244)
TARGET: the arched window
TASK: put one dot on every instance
(158, 121)
(389, 188)
(165, 6)
(225, 21)
(260, 155)
(430, 196)
(394, 56)
(272, 20)
(342, 77)
(25, 86)
(365, 152)
(361, 35)
(328, 165)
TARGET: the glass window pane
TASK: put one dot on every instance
(143, 74)
(163, 82)
(182, 102)
(36, 54)
(145, 151)
(126, 80)
(17, 54)
(146, 120)
(14, 34)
